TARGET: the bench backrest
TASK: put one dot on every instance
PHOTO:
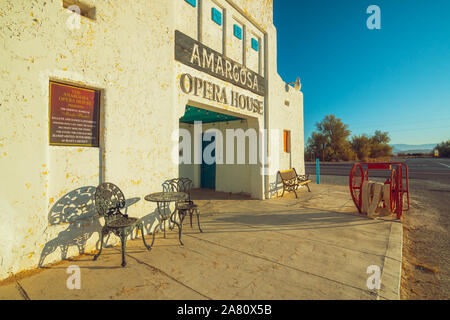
(288, 174)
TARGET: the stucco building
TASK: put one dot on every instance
(104, 95)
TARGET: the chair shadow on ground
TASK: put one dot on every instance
(77, 210)
(275, 187)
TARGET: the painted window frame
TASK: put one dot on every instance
(255, 44)
(192, 2)
(237, 31)
(217, 16)
(287, 141)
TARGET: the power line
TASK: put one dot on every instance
(404, 122)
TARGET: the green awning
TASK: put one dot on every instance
(196, 114)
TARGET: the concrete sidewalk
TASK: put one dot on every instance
(314, 247)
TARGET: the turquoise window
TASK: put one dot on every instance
(255, 44)
(192, 2)
(216, 16)
(237, 32)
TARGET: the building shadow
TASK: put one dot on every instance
(211, 194)
(313, 219)
(280, 221)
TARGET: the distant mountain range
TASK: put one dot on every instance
(413, 148)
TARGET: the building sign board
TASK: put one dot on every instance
(74, 115)
(214, 92)
(198, 56)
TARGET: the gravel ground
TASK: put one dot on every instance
(426, 240)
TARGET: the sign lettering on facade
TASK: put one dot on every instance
(214, 92)
(196, 55)
(74, 116)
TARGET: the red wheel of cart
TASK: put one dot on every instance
(400, 192)
(398, 185)
(355, 183)
(394, 188)
(400, 205)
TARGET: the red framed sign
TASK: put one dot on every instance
(74, 114)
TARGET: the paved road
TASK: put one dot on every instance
(419, 168)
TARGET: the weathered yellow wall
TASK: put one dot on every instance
(128, 54)
(260, 11)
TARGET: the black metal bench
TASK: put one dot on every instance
(292, 181)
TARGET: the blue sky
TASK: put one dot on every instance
(396, 79)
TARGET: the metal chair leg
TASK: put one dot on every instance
(164, 225)
(198, 219)
(143, 237)
(171, 226)
(180, 227)
(154, 233)
(123, 238)
(181, 216)
(101, 245)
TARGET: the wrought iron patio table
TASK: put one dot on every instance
(163, 200)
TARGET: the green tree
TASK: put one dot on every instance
(361, 145)
(444, 149)
(379, 145)
(316, 145)
(330, 142)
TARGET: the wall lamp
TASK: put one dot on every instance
(297, 84)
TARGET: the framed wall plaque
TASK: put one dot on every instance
(74, 114)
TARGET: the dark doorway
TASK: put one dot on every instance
(208, 171)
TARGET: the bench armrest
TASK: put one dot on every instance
(303, 177)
